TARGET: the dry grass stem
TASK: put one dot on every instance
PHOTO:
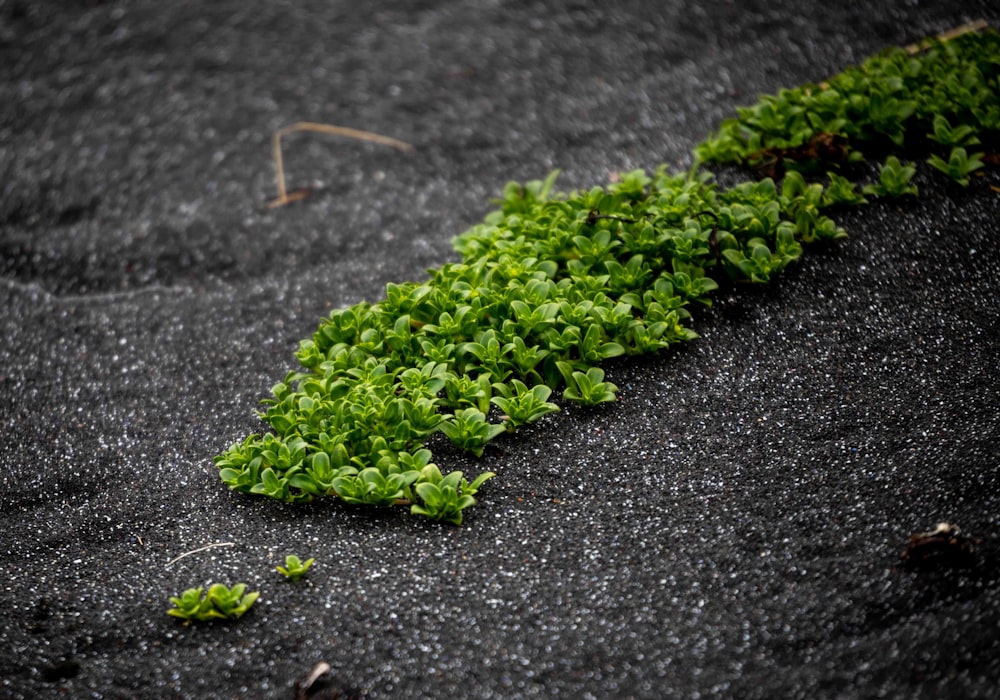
(913, 49)
(975, 26)
(279, 169)
(200, 549)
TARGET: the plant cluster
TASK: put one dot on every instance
(223, 603)
(551, 286)
(548, 288)
(943, 99)
(218, 603)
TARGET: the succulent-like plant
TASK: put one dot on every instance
(551, 285)
(959, 164)
(294, 568)
(469, 430)
(445, 497)
(949, 86)
(587, 388)
(894, 180)
(522, 404)
(219, 603)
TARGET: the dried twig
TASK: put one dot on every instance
(976, 26)
(279, 169)
(201, 549)
(947, 35)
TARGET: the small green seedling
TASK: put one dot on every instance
(295, 568)
(842, 191)
(959, 164)
(945, 134)
(470, 430)
(220, 603)
(894, 180)
(445, 497)
(587, 388)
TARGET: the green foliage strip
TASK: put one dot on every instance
(940, 101)
(550, 286)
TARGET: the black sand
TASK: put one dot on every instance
(731, 527)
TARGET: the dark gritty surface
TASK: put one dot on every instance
(730, 527)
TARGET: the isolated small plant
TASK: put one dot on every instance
(219, 603)
(948, 135)
(294, 568)
(959, 164)
(894, 180)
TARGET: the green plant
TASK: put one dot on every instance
(522, 404)
(587, 388)
(959, 164)
(219, 603)
(941, 91)
(372, 487)
(543, 285)
(894, 180)
(469, 430)
(445, 497)
(948, 135)
(471, 392)
(295, 568)
(842, 191)
(550, 285)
